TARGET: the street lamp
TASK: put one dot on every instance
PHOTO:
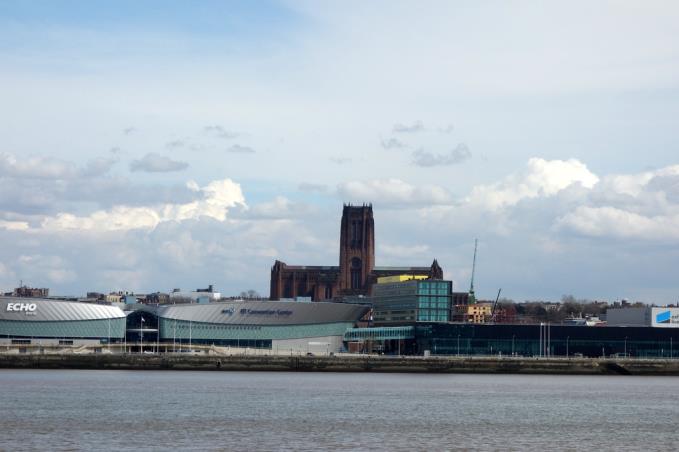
(625, 346)
(567, 339)
(458, 345)
(513, 336)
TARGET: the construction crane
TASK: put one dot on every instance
(472, 297)
(492, 313)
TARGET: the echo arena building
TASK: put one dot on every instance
(297, 326)
(28, 321)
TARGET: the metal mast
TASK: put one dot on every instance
(472, 297)
(492, 313)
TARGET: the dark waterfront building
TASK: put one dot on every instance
(356, 272)
(519, 340)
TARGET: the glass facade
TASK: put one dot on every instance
(519, 340)
(258, 335)
(412, 301)
(84, 329)
(380, 334)
(563, 340)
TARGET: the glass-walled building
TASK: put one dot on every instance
(396, 303)
(546, 340)
(541, 340)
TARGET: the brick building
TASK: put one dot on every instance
(356, 272)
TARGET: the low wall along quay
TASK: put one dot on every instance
(338, 363)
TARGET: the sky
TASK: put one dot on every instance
(146, 146)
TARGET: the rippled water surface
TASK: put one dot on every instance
(108, 410)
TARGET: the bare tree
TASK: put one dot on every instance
(250, 294)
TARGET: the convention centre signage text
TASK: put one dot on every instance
(245, 311)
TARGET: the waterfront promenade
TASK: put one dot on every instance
(215, 359)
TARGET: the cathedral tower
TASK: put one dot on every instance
(357, 249)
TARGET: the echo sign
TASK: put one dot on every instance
(22, 307)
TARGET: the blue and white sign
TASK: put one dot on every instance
(665, 317)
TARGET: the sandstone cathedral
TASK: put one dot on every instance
(356, 272)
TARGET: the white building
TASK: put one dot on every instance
(198, 295)
(644, 316)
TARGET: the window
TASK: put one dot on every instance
(356, 232)
(356, 280)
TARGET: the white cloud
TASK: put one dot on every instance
(218, 197)
(240, 149)
(403, 251)
(5, 273)
(309, 187)
(458, 154)
(220, 132)
(61, 275)
(175, 144)
(632, 206)
(193, 186)
(540, 178)
(546, 197)
(42, 167)
(52, 267)
(156, 163)
(14, 225)
(278, 208)
(99, 166)
(393, 143)
(542, 215)
(416, 126)
(618, 223)
(393, 192)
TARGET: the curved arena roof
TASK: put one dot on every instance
(43, 310)
(264, 312)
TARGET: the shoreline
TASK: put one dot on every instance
(338, 363)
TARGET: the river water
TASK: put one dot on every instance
(154, 410)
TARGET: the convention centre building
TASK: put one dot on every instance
(297, 326)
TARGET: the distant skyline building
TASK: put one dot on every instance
(29, 292)
(356, 272)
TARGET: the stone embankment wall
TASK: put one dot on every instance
(371, 363)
